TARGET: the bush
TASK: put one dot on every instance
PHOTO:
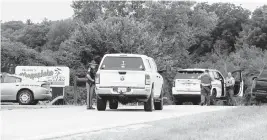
(69, 95)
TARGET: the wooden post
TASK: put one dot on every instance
(75, 90)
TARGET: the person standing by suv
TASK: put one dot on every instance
(90, 84)
(230, 83)
(205, 86)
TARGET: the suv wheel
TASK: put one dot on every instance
(113, 104)
(101, 104)
(148, 105)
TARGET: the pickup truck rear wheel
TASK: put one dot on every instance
(101, 104)
(148, 106)
(159, 104)
(113, 104)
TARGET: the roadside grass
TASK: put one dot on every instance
(243, 123)
(240, 123)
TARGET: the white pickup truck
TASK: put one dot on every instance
(128, 78)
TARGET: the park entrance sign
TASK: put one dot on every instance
(58, 76)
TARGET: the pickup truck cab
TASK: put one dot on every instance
(128, 78)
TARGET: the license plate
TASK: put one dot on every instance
(122, 89)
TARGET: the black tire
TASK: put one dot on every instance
(34, 102)
(213, 97)
(101, 104)
(148, 105)
(25, 97)
(113, 104)
(159, 105)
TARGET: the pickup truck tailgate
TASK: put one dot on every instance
(112, 78)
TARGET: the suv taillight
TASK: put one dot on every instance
(97, 79)
(147, 79)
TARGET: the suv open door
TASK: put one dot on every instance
(239, 83)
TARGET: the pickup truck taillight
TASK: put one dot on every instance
(147, 79)
(97, 79)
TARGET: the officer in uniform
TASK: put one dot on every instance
(90, 84)
(205, 88)
(230, 83)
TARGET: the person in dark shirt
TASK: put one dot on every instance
(90, 84)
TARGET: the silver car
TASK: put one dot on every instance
(22, 90)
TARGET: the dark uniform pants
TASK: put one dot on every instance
(205, 95)
(90, 88)
(230, 95)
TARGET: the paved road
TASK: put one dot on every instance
(58, 122)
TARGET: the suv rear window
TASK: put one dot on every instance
(123, 63)
(188, 74)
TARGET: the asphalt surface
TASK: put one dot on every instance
(67, 122)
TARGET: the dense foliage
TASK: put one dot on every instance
(180, 34)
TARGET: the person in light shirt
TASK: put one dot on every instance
(230, 83)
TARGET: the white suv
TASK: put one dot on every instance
(128, 78)
(186, 85)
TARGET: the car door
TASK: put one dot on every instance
(9, 88)
(221, 79)
(239, 83)
(217, 84)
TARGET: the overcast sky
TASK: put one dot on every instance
(37, 10)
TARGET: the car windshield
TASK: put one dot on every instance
(123, 63)
(184, 74)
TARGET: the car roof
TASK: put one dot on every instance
(126, 54)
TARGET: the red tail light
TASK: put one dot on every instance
(173, 83)
(97, 79)
(147, 79)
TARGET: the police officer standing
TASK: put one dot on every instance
(230, 83)
(90, 84)
(205, 86)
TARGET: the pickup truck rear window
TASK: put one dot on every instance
(123, 63)
(188, 74)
